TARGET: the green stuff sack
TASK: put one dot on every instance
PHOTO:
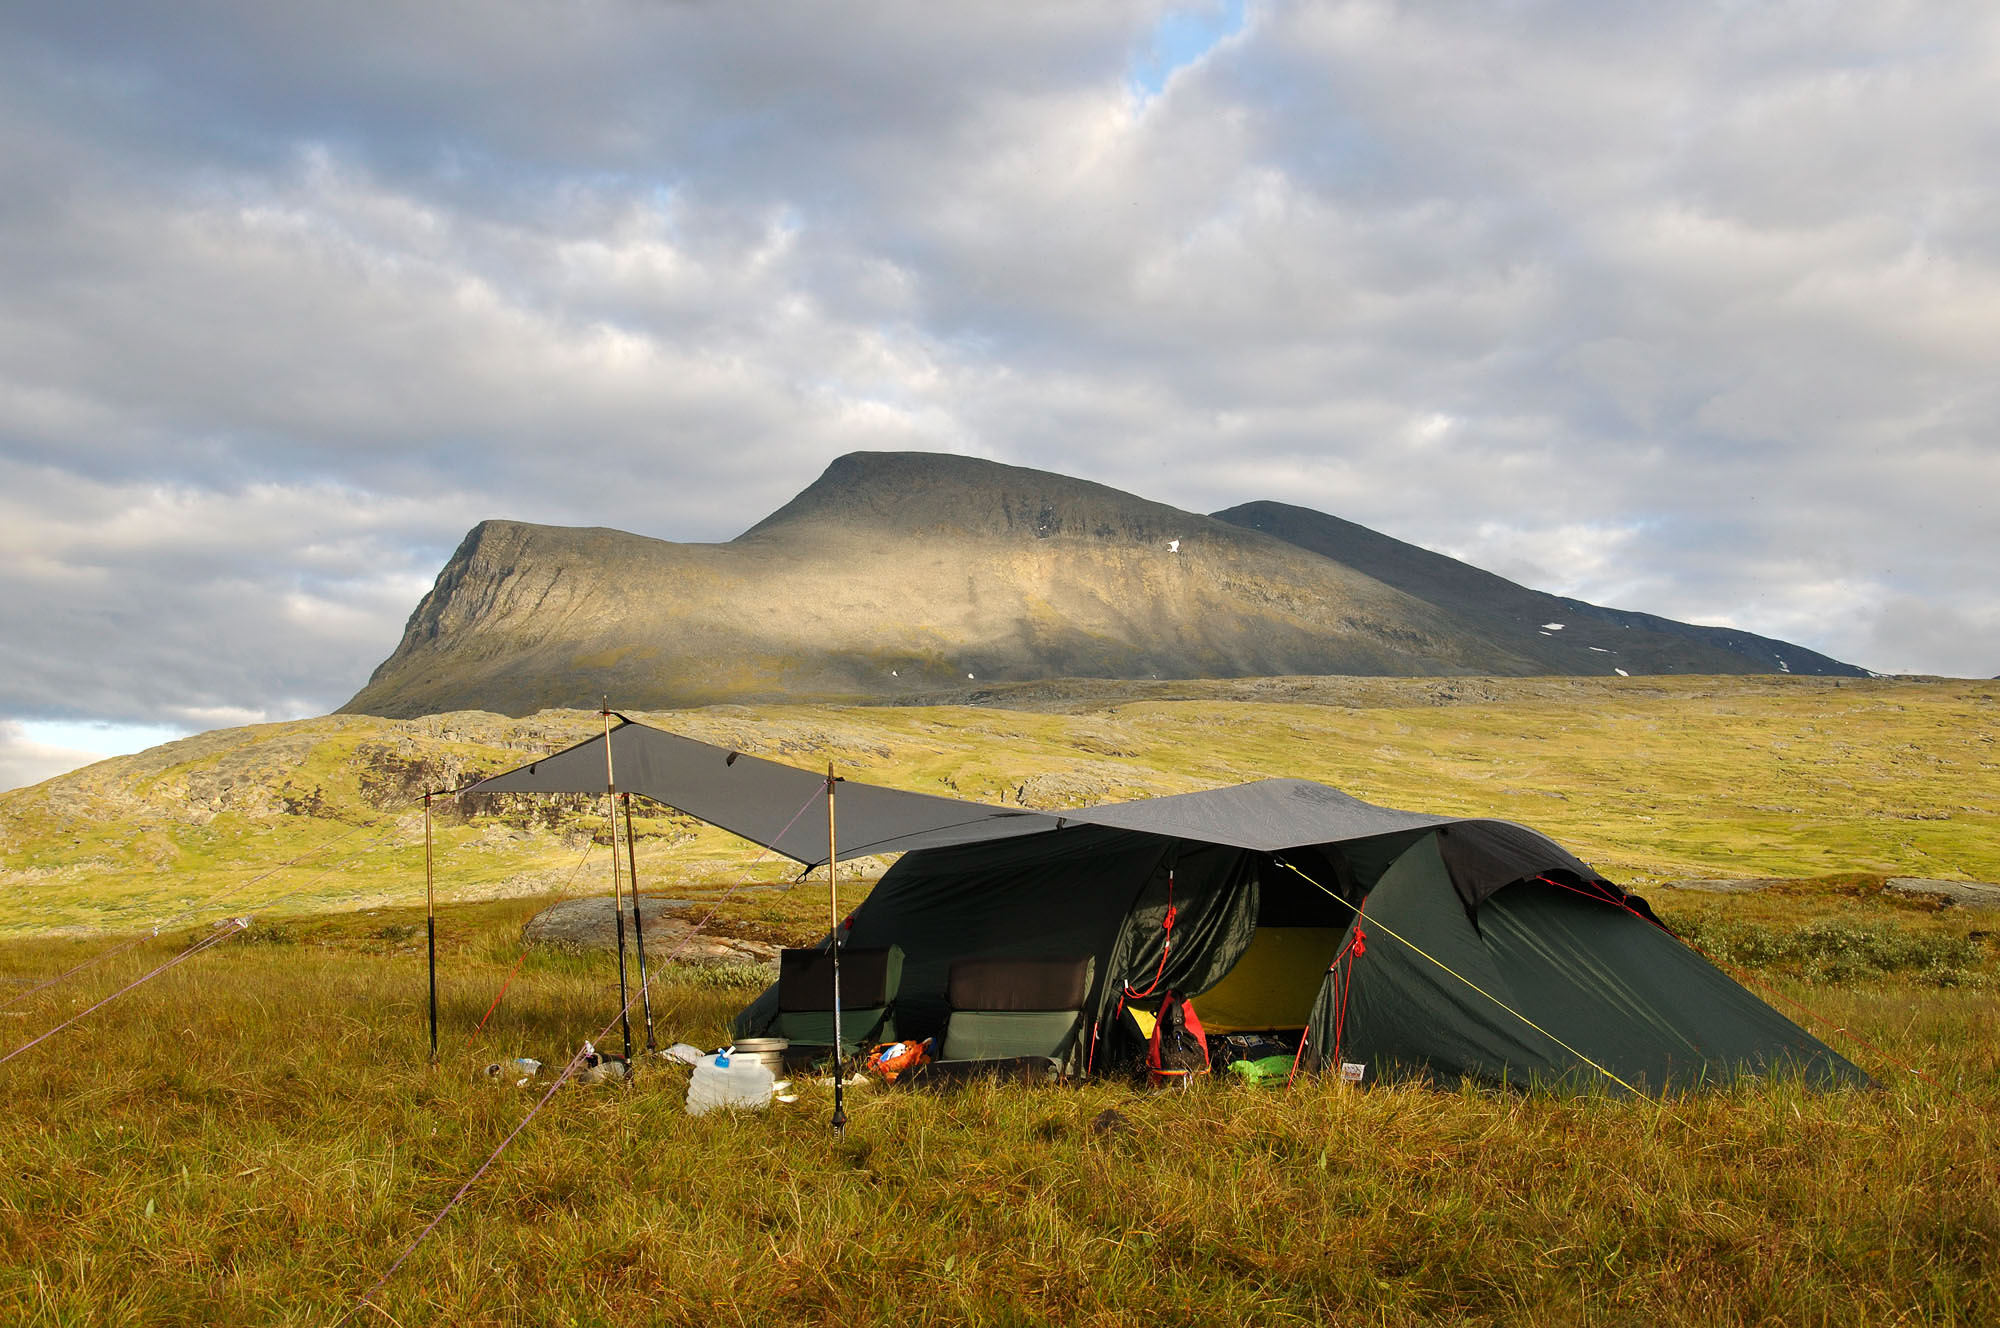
(1268, 1070)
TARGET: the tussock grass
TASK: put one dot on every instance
(255, 1137)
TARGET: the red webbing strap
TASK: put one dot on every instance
(1189, 1020)
(1192, 1022)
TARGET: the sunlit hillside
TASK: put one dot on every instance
(1649, 779)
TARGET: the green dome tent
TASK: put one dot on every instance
(1400, 943)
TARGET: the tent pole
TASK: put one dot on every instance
(617, 896)
(431, 924)
(638, 920)
(833, 902)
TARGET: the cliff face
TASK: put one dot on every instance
(898, 575)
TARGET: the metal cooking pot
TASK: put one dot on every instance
(768, 1051)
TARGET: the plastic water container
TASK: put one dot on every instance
(722, 1080)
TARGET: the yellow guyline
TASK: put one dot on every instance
(1375, 920)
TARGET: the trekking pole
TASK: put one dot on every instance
(617, 897)
(833, 901)
(638, 920)
(431, 925)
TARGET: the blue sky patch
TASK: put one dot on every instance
(1182, 37)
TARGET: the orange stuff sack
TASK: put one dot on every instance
(890, 1059)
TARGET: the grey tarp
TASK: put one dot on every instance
(783, 807)
(1269, 814)
(779, 806)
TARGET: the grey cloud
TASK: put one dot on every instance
(146, 603)
(1685, 309)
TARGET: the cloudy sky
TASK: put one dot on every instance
(1686, 308)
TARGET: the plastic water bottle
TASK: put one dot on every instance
(720, 1081)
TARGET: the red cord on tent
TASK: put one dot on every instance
(1355, 949)
(1615, 903)
(1356, 946)
(1166, 946)
(1128, 992)
(1745, 977)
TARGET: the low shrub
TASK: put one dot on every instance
(1833, 951)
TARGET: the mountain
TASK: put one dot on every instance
(897, 576)
(1560, 634)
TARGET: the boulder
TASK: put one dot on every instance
(1715, 887)
(589, 924)
(1972, 894)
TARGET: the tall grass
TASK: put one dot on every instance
(255, 1137)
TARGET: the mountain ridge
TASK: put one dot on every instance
(897, 575)
(1498, 603)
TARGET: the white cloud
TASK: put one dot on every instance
(25, 760)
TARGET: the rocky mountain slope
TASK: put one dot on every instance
(903, 576)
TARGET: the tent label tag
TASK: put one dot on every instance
(1350, 1073)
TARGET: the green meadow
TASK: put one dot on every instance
(1649, 779)
(257, 1136)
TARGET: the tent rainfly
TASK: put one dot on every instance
(1394, 942)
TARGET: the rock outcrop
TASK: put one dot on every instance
(671, 935)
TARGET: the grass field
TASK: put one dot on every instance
(256, 1137)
